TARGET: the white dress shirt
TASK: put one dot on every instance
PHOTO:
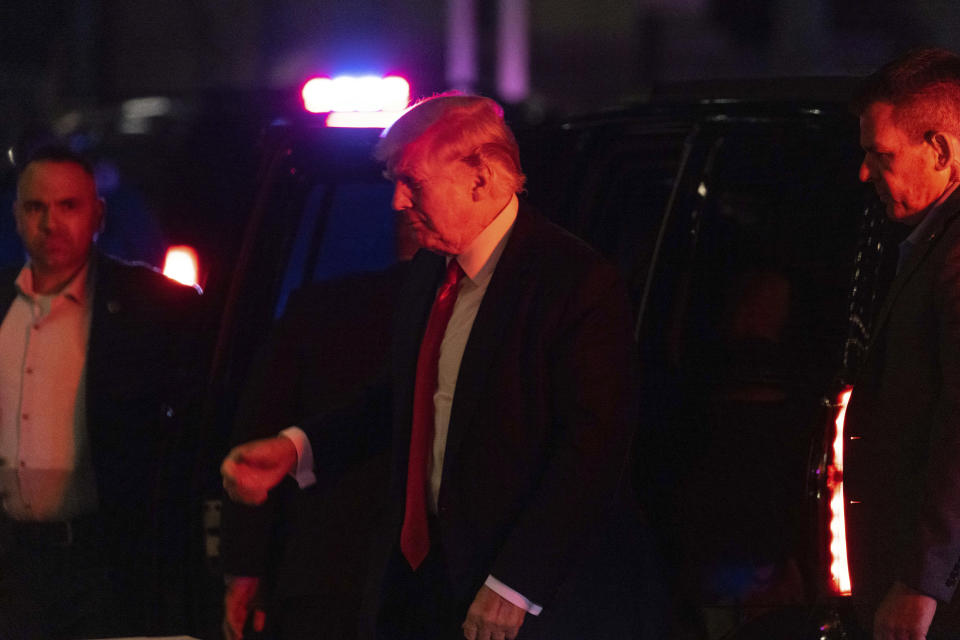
(478, 262)
(45, 469)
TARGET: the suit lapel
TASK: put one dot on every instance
(917, 256)
(416, 298)
(106, 308)
(486, 336)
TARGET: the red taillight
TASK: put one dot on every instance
(182, 265)
(839, 570)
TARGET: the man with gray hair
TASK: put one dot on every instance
(902, 467)
(510, 402)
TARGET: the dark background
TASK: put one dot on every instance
(69, 67)
(57, 55)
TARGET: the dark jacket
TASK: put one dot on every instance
(540, 424)
(902, 448)
(331, 343)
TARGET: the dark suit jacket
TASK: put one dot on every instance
(331, 343)
(144, 377)
(541, 419)
(902, 448)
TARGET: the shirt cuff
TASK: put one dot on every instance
(512, 596)
(303, 471)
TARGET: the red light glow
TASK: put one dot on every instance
(182, 265)
(839, 570)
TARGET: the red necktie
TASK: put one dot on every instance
(415, 537)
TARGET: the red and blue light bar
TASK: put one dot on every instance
(357, 101)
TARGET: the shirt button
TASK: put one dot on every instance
(25, 416)
(29, 370)
(36, 327)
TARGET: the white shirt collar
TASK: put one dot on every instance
(480, 257)
(75, 290)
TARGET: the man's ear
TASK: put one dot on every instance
(947, 148)
(482, 180)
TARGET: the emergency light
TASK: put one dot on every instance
(357, 101)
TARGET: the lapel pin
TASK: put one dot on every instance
(113, 306)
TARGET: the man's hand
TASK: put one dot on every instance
(490, 617)
(252, 469)
(239, 594)
(904, 614)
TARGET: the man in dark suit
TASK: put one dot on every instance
(902, 467)
(99, 366)
(510, 403)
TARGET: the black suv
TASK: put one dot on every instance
(755, 260)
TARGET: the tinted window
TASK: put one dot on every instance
(768, 261)
(345, 228)
(623, 208)
(610, 186)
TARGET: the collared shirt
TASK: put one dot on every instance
(929, 221)
(478, 262)
(46, 472)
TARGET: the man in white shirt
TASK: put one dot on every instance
(510, 402)
(94, 356)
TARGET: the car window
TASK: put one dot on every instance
(345, 228)
(610, 186)
(623, 209)
(765, 258)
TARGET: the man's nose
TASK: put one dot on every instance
(864, 171)
(47, 219)
(401, 198)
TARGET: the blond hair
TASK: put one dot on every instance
(454, 127)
